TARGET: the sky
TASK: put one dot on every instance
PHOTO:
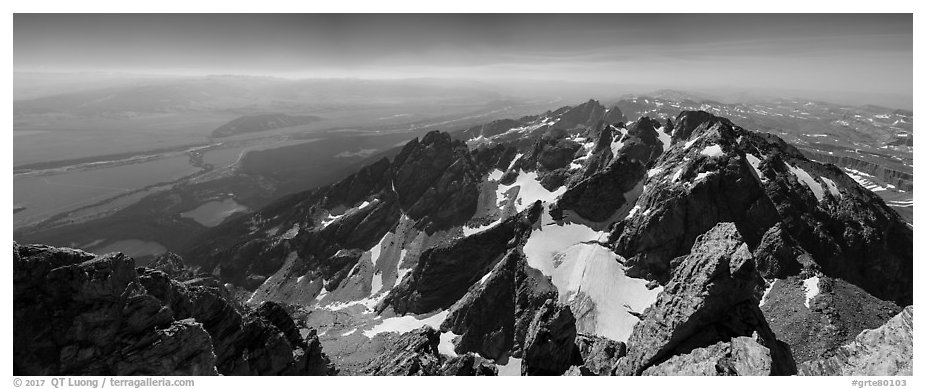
(846, 53)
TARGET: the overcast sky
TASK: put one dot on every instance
(833, 53)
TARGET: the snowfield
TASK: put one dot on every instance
(403, 324)
(529, 190)
(589, 278)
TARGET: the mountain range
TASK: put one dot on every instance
(587, 240)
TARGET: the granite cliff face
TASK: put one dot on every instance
(723, 173)
(708, 301)
(80, 314)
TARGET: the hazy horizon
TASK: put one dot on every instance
(849, 58)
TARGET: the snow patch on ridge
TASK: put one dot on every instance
(666, 139)
(766, 293)
(712, 151)
(446, 344)
(754, 162)
(807, 180)
(811, 289)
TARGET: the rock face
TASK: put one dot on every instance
(413, 354)
(708, 300)
(816, 323)
(75, 313)
(444, 273)
(741, 356)
(598, 355)
(494, 316)
(265, 342)
(550, 344)
(884, 351)
(433, 181)
(779, 200)
(469, 364)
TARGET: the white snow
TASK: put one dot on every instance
(589, 269)
(633, 211)
(702, 175)
(811, 289)
(863, 179)
(376, 284)
(712, 151)
(529, 191)
(363, 205)
(654, 171)
(512, 368)
(299, 279)
(467, 230)
(691, 142)
(446, 344)
(515, 159)
(330, 219)
(349, 333)
(398, 266)
(403, 324)
(901, 203)
(754, 162)
(377, 250)
(678, 174)
(617, 142)
(831, 186)
(485, 277)
(666, 139)
(496, 175)
(321, 294)
(767, 291)
(807, 180)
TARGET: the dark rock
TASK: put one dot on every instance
(469, 364)
(838, 313)
(77, 314)
(265, 342)
(740, 356)
(598, 355)
(550, 343)
(169, 263)
(443, 274)
(777, 254)
(848, 231)
(492, 319)
(708, 300)
(884, 351)
(413, 354)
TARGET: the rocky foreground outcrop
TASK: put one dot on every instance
(709, 300)
(79, 314)
(415, 353)
(884, 351)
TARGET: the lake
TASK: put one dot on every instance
(213, 213)
(46, 196)
(134, 248)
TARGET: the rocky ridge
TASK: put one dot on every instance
(80, 314)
